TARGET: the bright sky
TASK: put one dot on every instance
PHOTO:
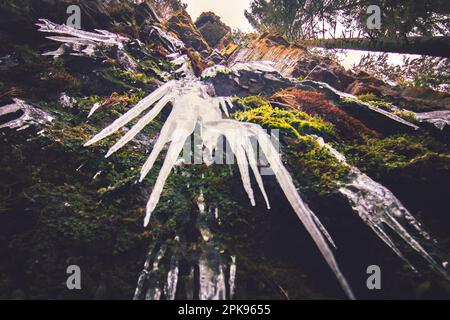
(230, 11)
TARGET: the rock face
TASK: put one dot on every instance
(181, 24)
(94, 14)
(213, 29)
(296, 61)
(63, 204)
(326, 70)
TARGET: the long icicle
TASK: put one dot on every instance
(254, 166)
(243, 167)
(140, 125)
(132, 113)
(300, 208)
(171, 157)
(376, 205)
(165, 136)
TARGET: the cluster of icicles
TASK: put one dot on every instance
(194, 104)
(211, 282)
(216, 272)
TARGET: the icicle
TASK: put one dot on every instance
(254, 165)
(242, 165)
(150, 275)
(172, 154)
(230, 102)
(300, 208)
(192, 105)
(132, 113)
(80, 36)
(212, 279)
(154, 292)
(223, 106)
(377, 206)
(145, 120)
(170, 287)
(232, 277)
(95, 107)
(439, 119)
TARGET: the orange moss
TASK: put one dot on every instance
(62, 80)
(315, 103)
(115, 99)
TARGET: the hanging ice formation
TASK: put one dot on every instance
(216, 276)
(378, 207)
(194, 104)
(84, 41)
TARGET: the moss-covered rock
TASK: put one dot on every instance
(181, 24)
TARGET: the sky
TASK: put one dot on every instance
(230, 11)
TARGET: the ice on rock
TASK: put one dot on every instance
(173, 43)
(80, 37)
(378, 207)
(23, 115)
(439, 119)
(211, 72)
(254, 66)
(194, 104)
(84, 43)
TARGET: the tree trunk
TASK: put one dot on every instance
(432, 46)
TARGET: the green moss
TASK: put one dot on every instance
(294, 122)
(156, 66)
(252, 102)
(407, 115)
(369, 97)
(374, 100)
(315, 170)
(395, 152)
(127, 79)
